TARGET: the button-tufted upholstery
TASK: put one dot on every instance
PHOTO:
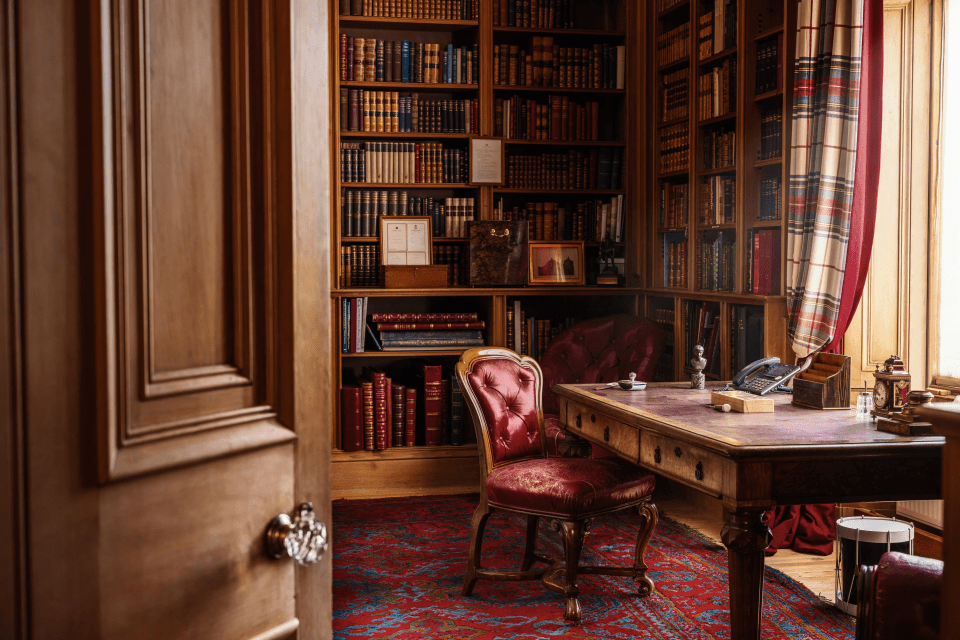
(507, 395)
(900, 598)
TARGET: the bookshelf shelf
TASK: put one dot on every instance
(411, 353)
(674, 9)
(727, 117)
(526, 89)
(405, 24)
(405, 136)
(438, 87)
(407, 453)
(533, 31)
(483, 292)
(680, 173)
(406, 185)
(769, 95)
(682, 229)
(769, 162)
(585, 192)
(766, 224)
(716, 227)
(773, 31)
(670, 123)
(375, 240)
(567, 143)
(717, 57)
(670, 66)
(718, 171)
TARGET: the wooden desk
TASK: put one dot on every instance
(753, 462)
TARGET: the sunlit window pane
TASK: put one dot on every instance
(950, 203)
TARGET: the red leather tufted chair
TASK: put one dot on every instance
(899, 598)
(503, 392)
(594, 351)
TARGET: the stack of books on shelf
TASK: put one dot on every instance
(576, 169)
(746, 323)
(557, 118)
(402, 163)
(717, 200)
(719, 147)
(428, 331)
(413, 407)
(530, 336)
(771, 133)
(675, 259)
(718, 28)
(763, 261)
(360, 266)
(396, 112)
(361, 209)
(674, 204)
(718, 90)
(674, 95)
(702, 326)
(422, 9)
(353, 324)
(674, 148)
(716, 257)
(544, 64)
(539, 14)
(591, 221)
(673, 45)
(770, 65)
(372, 60)
(771, 199)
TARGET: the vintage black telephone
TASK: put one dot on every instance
(769, 374)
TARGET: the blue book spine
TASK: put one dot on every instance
(452, 335)
(463, 66)
(345, 324)
(450, 63)
(405, 61)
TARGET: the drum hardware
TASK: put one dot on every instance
(862, 540)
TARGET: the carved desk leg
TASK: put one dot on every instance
(746, 536)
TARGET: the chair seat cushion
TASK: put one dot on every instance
(568, 487)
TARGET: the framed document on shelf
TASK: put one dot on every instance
(406, 240)
(486, 161)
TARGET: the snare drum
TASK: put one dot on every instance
(863, 541)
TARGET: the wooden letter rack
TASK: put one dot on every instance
(825, 384)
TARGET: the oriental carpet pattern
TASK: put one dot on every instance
(399, 567)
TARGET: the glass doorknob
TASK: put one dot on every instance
(304, 538)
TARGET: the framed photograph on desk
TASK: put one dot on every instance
(406, 240)
(556, 263)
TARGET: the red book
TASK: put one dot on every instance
(556, 118)
(432, 401)
(343, 56)
(428, 326)
(350, 58)
(769, 266)
(594, 120)
(423, 317)
(388, 402)
(351, 418)
(399, 414)
(410, 432)
(367, 397)
(756, 262)
(380, 401)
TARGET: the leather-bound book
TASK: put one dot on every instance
(429, 426)
(351, 418)
(398, 415)
(359, 58)
(356, 8)
(366, 387)
(378, 381)
(410, 417)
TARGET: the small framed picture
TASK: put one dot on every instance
(486, 161)
(556, 263)
(406, 240)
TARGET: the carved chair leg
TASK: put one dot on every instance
(476, 541)
(649, 515)
(572, 533)
(529, 555)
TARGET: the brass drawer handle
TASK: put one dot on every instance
(677, 452)
(606, 434)
(656, 455)
(698, 474)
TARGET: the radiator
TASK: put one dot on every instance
(925, 511)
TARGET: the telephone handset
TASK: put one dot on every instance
(769, 374)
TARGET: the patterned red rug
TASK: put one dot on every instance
(399, 566)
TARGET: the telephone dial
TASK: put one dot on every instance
(767, 375)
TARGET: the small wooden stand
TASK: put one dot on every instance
(424, 276)
(825, 384)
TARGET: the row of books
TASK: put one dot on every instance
(600, 66)
(402, 163)
(373, 60)
(717, 199)
(529, 335)
(675, 259)
(423, 407)
(353, 324)
(771, 199)
(674, 148)
(430, 335)
(360, 266)
(770, 65)
(396, 112)
(716, 261)
(674, 98)
(771, 133)
(423, 9)
(763, 261)
(746, 335)
(591, 221)
(451, 217)
(453, 257)
(360, 212)
(521, 118)
(719, 147)
(702, 327)
(717, 28)
(717, 94)
(674, 204)
(577, 169)
(673, 45)
(540, 14)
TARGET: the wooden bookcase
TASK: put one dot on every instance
(679, 239)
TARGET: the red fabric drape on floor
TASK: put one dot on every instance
(811, 528)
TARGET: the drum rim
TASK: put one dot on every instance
(847, 532)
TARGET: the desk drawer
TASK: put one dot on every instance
(692, 465)
(607, 432)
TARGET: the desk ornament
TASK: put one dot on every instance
(698, 362)
(891, 388)
(906, 422)
(632, 384)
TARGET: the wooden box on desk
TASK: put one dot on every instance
(825, 384)
(423, 276)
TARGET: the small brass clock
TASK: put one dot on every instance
(890, 389)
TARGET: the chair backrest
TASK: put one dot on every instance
(601, 350)
(502, 390)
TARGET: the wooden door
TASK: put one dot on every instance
(165, 293)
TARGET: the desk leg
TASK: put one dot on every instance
(746, 536)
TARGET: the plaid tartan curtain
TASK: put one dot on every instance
(836, 112)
